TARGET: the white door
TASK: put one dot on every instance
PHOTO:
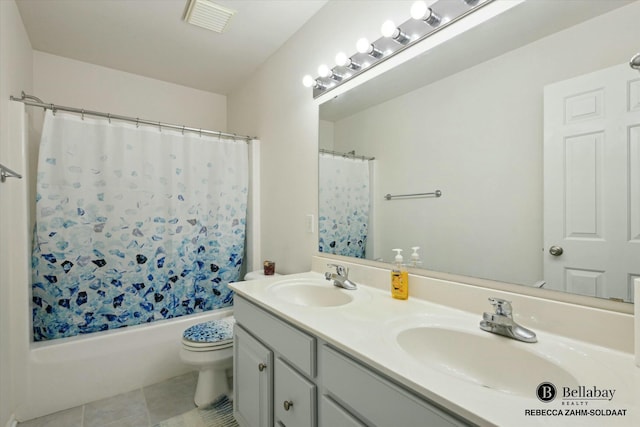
(592, 183)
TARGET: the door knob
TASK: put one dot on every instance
(556, 250)
(262, 367)
(288, 405)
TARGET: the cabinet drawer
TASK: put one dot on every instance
(376, 399)
(334, 415)
(294, 397)
(293, 344)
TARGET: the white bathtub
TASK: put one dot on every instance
(72, 371)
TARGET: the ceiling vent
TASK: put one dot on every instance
(206, 14)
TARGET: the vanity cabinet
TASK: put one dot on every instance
(307, 383)
(288, 391)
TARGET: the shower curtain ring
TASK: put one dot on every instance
(200, 133)
(109, 117)
(53, 109)
(160, 126)
(183, 129)
(219, 134)
(137, 121)
(82, 115)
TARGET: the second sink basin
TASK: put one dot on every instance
(487, 360)
(311, 293)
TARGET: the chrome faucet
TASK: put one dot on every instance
(340, 277)
(501, 322)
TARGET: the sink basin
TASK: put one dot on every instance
(311, 293)
(489, 361)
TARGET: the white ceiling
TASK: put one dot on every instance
(150, 37)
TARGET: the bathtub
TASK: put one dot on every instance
(72, 371)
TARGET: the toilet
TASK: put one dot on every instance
(209, 347)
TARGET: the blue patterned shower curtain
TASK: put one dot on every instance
(133, 225)
(343, 218)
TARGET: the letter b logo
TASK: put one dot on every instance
(546, 392)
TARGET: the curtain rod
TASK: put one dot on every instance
(5, 173)
(350, 154)
(37, 102)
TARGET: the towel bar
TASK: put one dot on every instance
(436, 193)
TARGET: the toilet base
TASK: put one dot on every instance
(212, 376)
(212, 385)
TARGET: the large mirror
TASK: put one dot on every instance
(528, 125)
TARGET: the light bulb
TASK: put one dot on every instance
(418, 9)
(324, 71)
(363, 45)
(388, 29)
(308, 81)
(421, 11)
(342, 59)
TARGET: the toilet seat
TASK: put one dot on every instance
(197, 346)
(209, 336)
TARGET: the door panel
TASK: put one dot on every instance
(592, 183)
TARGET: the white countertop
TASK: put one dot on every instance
(366, 328)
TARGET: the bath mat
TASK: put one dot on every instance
(219, 414)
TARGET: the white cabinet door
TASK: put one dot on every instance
(592, 183)
(252, 381)
(295, 397)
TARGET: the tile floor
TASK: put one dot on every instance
(144, 407)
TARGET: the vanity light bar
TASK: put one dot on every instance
(427, 19)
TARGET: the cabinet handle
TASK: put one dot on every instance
(262, 367)
(288, 405)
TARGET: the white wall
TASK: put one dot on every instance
(325, 134)
(15, 75)
(78, 84)
(275, 106)
(477, 136)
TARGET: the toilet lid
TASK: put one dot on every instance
(214, 333)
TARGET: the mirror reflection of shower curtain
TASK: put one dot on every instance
(133, 224)
(344, 205)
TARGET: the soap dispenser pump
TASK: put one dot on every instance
(399, 278)
(415, 258)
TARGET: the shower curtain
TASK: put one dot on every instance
(133, 224)
(343, 218)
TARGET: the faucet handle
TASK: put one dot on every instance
(340, 269)
(503, 307)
